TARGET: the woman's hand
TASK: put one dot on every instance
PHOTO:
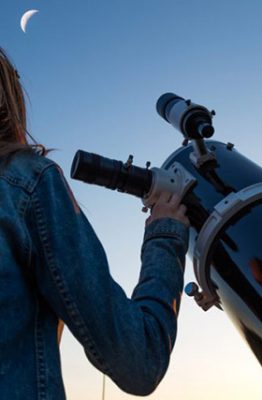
(168, 206)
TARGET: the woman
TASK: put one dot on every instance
(53, 268)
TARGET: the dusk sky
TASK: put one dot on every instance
(93, 70)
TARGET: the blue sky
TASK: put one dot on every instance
(94, 71)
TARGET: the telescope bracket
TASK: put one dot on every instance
(201, 153)
(174, 180)
(223, 212)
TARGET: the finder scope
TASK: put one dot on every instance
(192, 120)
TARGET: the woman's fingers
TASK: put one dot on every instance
(182, 209)
(175, 200)
(164, 198)
(169, 205)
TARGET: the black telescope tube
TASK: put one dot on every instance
(112, 174)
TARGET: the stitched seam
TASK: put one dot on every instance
(34, 184)
(13, 181)
(24, 205)
(40, 359)
(62, 289)
(30, 185)
(161, 235)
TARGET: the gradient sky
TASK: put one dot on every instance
(94, 71)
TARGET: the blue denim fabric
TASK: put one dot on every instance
(53, 266)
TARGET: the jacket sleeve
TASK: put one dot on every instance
(128, 339)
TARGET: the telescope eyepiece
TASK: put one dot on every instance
(207, 130)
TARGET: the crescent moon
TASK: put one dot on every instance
(25, 18)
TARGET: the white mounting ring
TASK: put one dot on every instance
(223, 211)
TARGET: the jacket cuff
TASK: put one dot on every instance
(168, 227)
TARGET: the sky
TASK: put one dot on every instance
(93, 71)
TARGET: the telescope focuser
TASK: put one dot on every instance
(146, 183)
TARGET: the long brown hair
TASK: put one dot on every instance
(13, 127)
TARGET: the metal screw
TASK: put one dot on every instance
(191, 289)
(230, 146)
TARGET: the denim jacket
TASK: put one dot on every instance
(54, 267)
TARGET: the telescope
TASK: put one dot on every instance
(222, 190)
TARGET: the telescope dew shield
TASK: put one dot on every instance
(229, 262)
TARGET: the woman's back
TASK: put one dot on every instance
(29, 355)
